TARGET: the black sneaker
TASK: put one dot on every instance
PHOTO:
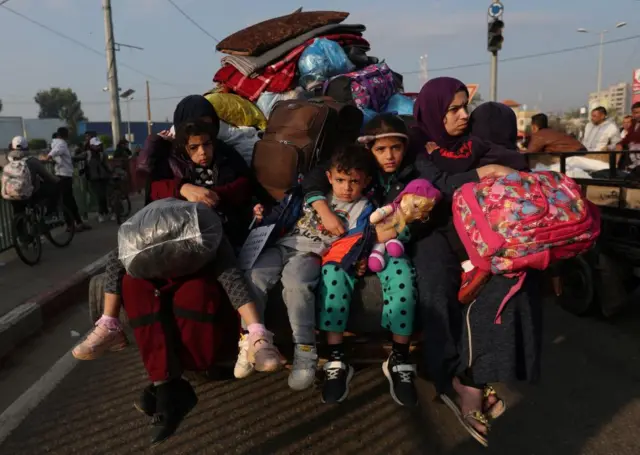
(146, 404)
(335, 388)
(175, 399)
(400, 375)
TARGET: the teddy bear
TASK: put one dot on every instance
(414, 203)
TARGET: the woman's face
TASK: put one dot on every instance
(200, 150)
(389, 152)
(457, 117)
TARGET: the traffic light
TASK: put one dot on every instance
(495, 35)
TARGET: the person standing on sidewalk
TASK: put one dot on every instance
(63, 169)
(98, 175)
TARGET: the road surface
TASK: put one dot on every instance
(587, 404)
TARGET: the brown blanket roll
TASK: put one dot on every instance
(261, 37)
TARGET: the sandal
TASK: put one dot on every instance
(465, 420)
(496, 409)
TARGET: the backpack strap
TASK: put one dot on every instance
(514, 289)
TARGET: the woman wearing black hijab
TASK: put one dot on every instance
(443, 134)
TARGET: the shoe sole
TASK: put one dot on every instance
(243, 376)
(140, 410)
(387, 373)
(466, 425)
(95, 355)
(344, 396)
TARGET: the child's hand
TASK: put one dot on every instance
(193, 193)
(332, 224)
(361, 268)
(431, 147)
(258, 212)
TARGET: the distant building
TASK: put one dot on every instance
(522, 114)
(38, 128)
(616, 97)
(139, 130)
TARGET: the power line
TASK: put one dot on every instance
(92, 103)
(527, 56)
(193, 21)
(84, 46)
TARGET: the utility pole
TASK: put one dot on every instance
(494, 44)
(112, 71)
(148, 110)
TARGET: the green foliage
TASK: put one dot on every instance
(61, 103)
(37, 144)
(106, 140)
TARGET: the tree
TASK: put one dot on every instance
(62, 103)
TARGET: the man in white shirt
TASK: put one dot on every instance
(601, 134)
(63, 169)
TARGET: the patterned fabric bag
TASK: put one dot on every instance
(523, 221)
(16, 181)
(369, 88)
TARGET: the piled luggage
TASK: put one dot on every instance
(310, 76)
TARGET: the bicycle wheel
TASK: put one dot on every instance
(26, 239)
(61, 231)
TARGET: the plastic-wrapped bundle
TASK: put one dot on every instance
(320, 61)
(169, 238)
(400, 105)
(268, 99)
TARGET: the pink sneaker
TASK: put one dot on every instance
(99, 341)
(262, 352)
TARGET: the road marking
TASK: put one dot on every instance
(13, 416)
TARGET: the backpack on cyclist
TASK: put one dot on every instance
(16, 181)
(526, 220)
(300, 134)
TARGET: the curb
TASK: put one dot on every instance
(30, 317)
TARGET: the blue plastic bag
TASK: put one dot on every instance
(367, 116)
(400, 104)
(320, 61)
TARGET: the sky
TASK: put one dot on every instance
(179, 59)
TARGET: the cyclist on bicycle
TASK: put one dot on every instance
(25, 179)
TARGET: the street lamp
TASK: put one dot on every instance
(127, 95)
(602, 33)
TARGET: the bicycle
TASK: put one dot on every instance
(29, 227)
(117, 197)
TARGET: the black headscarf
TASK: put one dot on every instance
(192, 108)
(496, 123)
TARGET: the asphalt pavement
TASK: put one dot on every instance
(587, 404)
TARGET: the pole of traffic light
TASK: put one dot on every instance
(494, 44)
(493, 91)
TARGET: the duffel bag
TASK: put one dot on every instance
(370, 88)
(184, 324)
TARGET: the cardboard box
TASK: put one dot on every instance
(631, 198)
(608, 196)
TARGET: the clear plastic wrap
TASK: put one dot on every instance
(322, 60)
(169, 238)
(268, 99)
(400, 105)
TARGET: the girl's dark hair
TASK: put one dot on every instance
(189, 129)
(352, 157)
(384, 124)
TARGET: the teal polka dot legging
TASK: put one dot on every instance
(398, 290)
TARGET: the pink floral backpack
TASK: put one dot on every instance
(526, 220)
